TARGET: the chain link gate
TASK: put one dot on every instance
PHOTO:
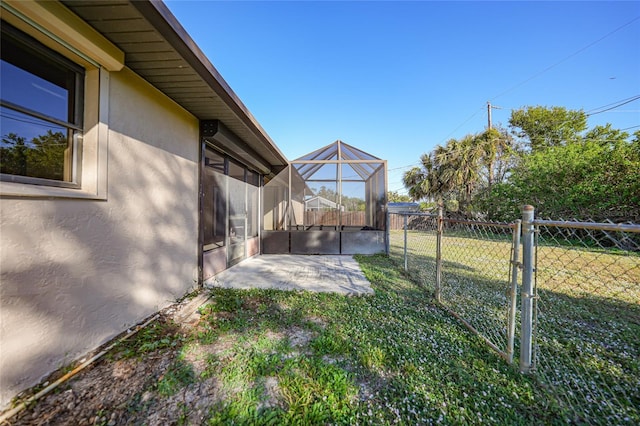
(471, 267)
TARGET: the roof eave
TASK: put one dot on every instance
(159, 15)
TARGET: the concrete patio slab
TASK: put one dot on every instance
(335, 273)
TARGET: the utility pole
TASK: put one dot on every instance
(489, 114)
(489, 108)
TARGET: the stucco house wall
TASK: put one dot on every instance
(77, 272)
(121, 235)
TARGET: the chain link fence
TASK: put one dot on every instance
(413, 241)
(586, 336)
(476, 279)
(567, 296)
(468, 266)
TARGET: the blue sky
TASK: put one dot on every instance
(395, 79)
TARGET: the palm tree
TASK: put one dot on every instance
(452, 170)
(497, 149)
(459, 162)
(421, 182)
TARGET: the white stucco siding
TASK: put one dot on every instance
(75, 273)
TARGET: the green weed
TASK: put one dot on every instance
(179, 375)
(158, 335)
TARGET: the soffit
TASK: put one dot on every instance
(158, 48)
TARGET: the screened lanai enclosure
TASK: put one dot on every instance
(330, 201)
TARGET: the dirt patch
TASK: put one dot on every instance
(300, 337)
(121, 389)
(168, 384)
(101, 394)
(272, 393)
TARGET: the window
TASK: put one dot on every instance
(41, 113)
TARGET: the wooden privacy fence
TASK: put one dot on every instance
(396, 222)
(416, 221)
(330, 218)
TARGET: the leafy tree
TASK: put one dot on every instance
(327, 193)
(460, 167)
(436, 179)
(557, 165)
(43, 157)
(349, 203)
(395, 197)
(596, 177)
(607, 135)
(13, 155)
(454, 174)
(47, 158)
(542, 127)
(353, 204)
(422, 182)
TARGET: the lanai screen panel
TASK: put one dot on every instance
(345, 189)
(275, 199)
(298, 194)
(283, 201)
(329, 201)
(321, 200)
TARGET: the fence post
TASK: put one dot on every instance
(526, 327)
(406, 260)
(387, 235)
(439, 254)
(515, 264)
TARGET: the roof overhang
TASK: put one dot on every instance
(158, 48)
(218, 135)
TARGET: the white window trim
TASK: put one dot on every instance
(93, 149)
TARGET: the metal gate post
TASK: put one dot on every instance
(526, 333)
(439, 254)
(515, 265)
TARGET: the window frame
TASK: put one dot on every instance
(26, 43)
(91, 154)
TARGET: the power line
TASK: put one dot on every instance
(405, 167)
(613, 103)
(567, 58)
(32, 121)
(619, 104)
(540, 73)
(632, 127)
(610, 106)
(463, 123)
(628, 110)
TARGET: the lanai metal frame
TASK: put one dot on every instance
(345, 176)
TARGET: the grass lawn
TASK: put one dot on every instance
(270, 357)
(475, 275)
(281, 357)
